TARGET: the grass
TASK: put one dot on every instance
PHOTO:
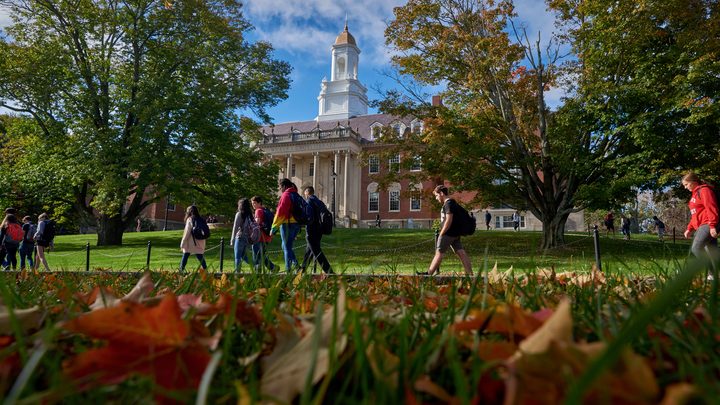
(373, 251)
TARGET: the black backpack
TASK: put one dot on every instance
(200, 229)
(268, 218)
(300, 209)
(323, 217)
(49, 232)
(467, 223)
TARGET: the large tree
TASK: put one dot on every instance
(630, 95)
(134, 100)
(494, 132)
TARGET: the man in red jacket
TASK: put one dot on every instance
(704, 220)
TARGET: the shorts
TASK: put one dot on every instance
(446, 241)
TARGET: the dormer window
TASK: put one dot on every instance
(375, 131)
(416, 127)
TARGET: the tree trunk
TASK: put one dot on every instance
(110, 230)
(554, 231)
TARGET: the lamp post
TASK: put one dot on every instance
(332, 200)
(167, 206)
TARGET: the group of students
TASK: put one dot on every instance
(26, 238)
(255, 225)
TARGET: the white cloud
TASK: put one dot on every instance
(310, 26)
(4, 18)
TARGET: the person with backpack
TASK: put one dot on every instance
(264, 217)
(488, 218)
(703, 207)
(609, 222)
(11, 235)
(194, 236)
(314, 233)
(27, 247)
(449, 235)
(245, 232)
(659, 227)
(288, 216)
(44, 237)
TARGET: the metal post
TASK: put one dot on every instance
(167, 205)
(596, 239)
(334, 177)
(87, 257)
(222, 253)
(147, 262)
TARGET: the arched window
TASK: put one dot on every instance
(373, 197)
(394, 197)
(416, 126)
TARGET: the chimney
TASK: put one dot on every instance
(437, 101)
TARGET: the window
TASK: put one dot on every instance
(373, 201)
(415, 203)
(170, 203)
(506, 221)
(416, 127)
(292, 170)
(312, 169)
(394, 163)
(374, 164)
(375, 131)
(416, 164)
(394, 200)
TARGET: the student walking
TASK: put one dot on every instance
(449, 236)
(190, 244)
(488, 219)
(285, 222)
(609, 224)
(625, 227)
(44, 237)
(240, 238)
(516, 220)
(704, 216)
(264, 217)
(313, 233)
(659, 227)
(10, 236)
(27, 247)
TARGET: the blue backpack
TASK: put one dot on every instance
(268, 218)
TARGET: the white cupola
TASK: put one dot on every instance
(343, 96)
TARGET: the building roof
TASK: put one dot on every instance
(345, 38)
(361, 124)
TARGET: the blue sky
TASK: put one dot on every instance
(303, 31)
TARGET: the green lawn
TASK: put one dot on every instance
(383, 251)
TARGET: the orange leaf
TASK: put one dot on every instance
(134, 324)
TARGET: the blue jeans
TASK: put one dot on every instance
(259, 251)
(26, 251)
(288, 232)
(185, 257)
(239, 248)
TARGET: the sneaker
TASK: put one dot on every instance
(422, 273)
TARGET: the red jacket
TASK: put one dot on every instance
(703, 208)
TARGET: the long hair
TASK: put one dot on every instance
(245, 209)
(9, 219)
(192, 212)
(691, 177)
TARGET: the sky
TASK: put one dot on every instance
(303, 31)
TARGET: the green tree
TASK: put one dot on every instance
(651, 70)
(135, 100)
(494, 132)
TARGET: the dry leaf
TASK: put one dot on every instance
(27, 319)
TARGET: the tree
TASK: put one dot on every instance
(650, 69)
(135, 100)
(494, 132)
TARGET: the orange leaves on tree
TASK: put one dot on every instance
(151, 341)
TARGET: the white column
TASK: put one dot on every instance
(315, 170)
(335, 191)
(345, 182)
(288, 174)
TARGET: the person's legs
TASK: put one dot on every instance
(701, 239)
(41, 258)
(435, 263)
(239, 249)
(465, 260)
(201, 258)
(12, 255)
(308, 257)
(288, 232)
(183, 261)
(26, 252)
(314, 238)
